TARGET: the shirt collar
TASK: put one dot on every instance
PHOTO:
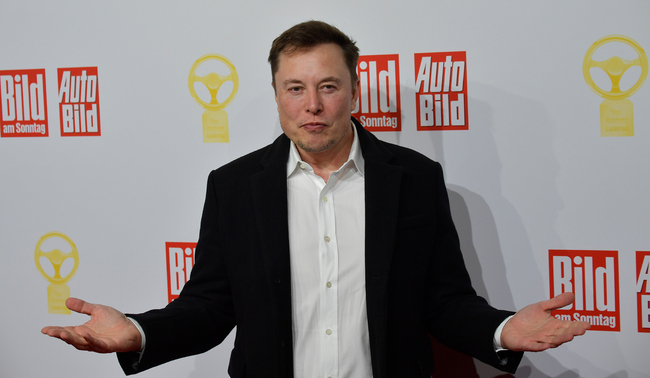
(355, 156)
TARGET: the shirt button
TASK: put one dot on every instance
(328, 332)
(327, 239)
(303, 166)
(324, 199)
(329, 284)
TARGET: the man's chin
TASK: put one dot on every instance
(314, 148)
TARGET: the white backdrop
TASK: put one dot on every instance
(532, 173)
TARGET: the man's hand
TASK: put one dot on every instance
(108, 330)
(533, 329)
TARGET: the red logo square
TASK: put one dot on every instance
(593, 277)
(643, 290)
(24, 103)
(79, 101)
(378, 107)
(180, 260)
(441, 91)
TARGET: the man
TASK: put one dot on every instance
(333, 253)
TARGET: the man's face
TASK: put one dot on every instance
(315, 97)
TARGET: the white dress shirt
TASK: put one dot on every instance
(328, 290)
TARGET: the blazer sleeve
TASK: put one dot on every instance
(203, 314)
(458, 317)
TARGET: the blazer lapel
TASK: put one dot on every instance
(382, 187)
(269, 192)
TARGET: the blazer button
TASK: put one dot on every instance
(278, 281)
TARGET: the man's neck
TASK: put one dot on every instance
(326, 162)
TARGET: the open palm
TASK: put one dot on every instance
(107, 331)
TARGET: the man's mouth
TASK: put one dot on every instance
(313, 126)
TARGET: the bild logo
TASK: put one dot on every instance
(378, 107)
(441, 91)
(79, 101)
(643, 290)
(180, 260)
(24, 107)
(593, 277)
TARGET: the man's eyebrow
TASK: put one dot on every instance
(331, 78)
(324, 80)
(291, 81)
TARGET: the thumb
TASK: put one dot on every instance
(558, 301)
(79, 305)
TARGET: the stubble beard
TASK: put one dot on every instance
(323, 147)
(315, 149)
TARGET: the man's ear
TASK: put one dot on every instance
(356, 89)
(275, 92)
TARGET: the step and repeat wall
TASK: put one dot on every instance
(114, 113)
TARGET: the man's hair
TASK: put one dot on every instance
(306, 35)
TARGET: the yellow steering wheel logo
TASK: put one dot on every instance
(57, 291)
(215, 119)
(616, 112)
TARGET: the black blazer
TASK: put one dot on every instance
(416, 281)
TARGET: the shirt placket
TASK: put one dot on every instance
(328, 258)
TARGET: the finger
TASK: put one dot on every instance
(74, 339)
(566, 334)
(47, 330)
(550, 341)
(95, 344)
(561, 339)
(54, 331)
(68, 335)
(79, 305)
(579, 328)
(50, 330)
(537, 347)
(558, 301)
(573, 327)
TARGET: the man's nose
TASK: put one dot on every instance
(314, 102)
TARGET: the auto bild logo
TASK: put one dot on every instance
(79, 101)
(180, 260)
(643, 290)
(24, 107)
(441, 91)
(593, 277)
(378, 107)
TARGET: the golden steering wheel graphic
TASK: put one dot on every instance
(615, 67)
(213, 82)
(56, 257)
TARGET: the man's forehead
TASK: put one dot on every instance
(291, 55)
(331, 50)
(292, 50)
